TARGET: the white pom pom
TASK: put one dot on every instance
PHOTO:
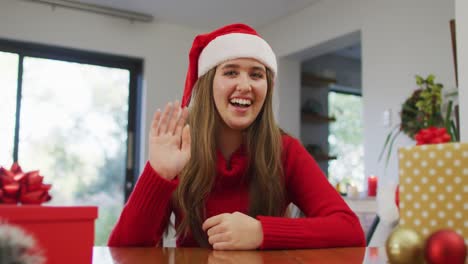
(17, 246)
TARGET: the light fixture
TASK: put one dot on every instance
(98, 9)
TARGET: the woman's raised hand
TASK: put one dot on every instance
(169, 141)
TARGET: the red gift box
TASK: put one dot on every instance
(64, 234)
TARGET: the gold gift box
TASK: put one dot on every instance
(434, 188)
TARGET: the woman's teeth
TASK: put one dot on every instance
(241, 102)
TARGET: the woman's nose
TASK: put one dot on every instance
(244, 83)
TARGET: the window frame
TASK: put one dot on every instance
(132, 64)
(339, 89)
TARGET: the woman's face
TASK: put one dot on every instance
(239, 90)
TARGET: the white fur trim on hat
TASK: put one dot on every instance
(233, 46)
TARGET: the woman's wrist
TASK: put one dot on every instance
(259, 234)
(163, 173)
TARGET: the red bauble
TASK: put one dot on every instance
(445, 246)
(397, 196)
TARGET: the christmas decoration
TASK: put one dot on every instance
(445, 246)
(17, 186)
(65, 234)
(16, 246)
(433, 180)
(432, 135)
(372, 186)
(397, 196)
(404, 246)
(226, 43)
(423, 118)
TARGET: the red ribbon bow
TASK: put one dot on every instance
(17, 186)
(432, 135)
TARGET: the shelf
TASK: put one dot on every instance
(324, 157)
(314, 80)
(317, 118)
(318, 154)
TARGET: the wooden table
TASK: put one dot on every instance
(107, 255)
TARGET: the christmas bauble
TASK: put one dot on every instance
(445, 246)
(405, 245)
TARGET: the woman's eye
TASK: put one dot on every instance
(257, 75)
(230, 73)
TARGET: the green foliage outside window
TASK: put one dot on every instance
(346, 139)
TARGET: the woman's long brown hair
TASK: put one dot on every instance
(265, 172)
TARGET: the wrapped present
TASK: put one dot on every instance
(62, 234)
(434, 188)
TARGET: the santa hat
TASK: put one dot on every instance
(226, 43)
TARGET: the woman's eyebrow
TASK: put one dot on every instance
(230, 66)
(258, 68)
(236, 66)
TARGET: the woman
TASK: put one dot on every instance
(230, 173)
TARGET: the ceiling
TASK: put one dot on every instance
(208, 14)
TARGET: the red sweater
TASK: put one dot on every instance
(328, 223)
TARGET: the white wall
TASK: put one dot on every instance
(399, 39)
(289, 75)
(163, 47)
(402, 39)
(311, 26)
(461, 16)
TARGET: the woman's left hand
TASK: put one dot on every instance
(235, 231)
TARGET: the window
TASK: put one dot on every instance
(71, 114)
(346, 139)
(8, 81)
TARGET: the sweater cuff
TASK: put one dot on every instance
(279, 231)
(152, 190)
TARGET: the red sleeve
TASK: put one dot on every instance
(329, 222)
(146, 214)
